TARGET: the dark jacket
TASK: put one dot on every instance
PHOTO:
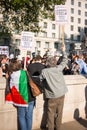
(35, 70)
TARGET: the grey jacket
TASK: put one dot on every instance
(54, 84)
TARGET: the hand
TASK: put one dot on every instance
(6, 75)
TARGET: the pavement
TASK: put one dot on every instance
(80, 124)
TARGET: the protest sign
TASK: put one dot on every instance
(27, 39)
(61, 14)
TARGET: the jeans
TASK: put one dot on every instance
(25, 116)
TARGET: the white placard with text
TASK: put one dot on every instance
(61, 14)
(27, 40)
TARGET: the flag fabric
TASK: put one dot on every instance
(18, 94)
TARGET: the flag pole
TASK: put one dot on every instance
(25, 60)
(63, 34)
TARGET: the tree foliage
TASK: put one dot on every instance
(25, 14)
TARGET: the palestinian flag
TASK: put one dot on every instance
(18, 94)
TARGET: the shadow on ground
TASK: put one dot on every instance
(82, 121)
(81, 124)
(79, 119)
(73, 125)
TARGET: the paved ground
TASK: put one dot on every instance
(81, 124)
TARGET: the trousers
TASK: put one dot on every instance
(25, 116)
(55, 110)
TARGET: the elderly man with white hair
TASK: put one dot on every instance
(54, 89)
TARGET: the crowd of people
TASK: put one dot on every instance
(49, 70)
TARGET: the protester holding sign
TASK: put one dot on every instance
(54, 89)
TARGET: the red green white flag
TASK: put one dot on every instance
(18, 94)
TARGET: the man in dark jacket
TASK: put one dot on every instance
(35, 70)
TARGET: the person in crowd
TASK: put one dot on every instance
(68, 68)
(59, 57)
(75, 68)
(3, 65)
(35, 69)
(18, 93)
(43, 61)
(23, 61)
(11, 56)
(32, 60)
(19, 58)
(85, 58)
(82, 64)
(54, 89)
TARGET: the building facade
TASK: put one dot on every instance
(49, 39)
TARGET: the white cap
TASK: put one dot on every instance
(19, 57)
(11, 56)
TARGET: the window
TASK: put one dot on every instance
(53, 26)
(6, 41)
(47, 45)
(72, 11)
(79, 29)
(79, 20)
(78, 38)
(17, 42)
(86, 14)
(79, 12)
(86, 6)
(72, 37)
(72, 27)
(56, 45)
(72, 2)
(45, 25)
(38, 52)
(72, 19)
(44, 34)
(53, 35)
(79, 4)
(38, 44)
(35, 34)
(85, 21)
(85, 30)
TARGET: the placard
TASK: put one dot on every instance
(27, 40)
(61, 14)
(4, 50)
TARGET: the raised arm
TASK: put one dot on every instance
(64, 61)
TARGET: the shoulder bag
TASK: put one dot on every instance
(34, 88)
